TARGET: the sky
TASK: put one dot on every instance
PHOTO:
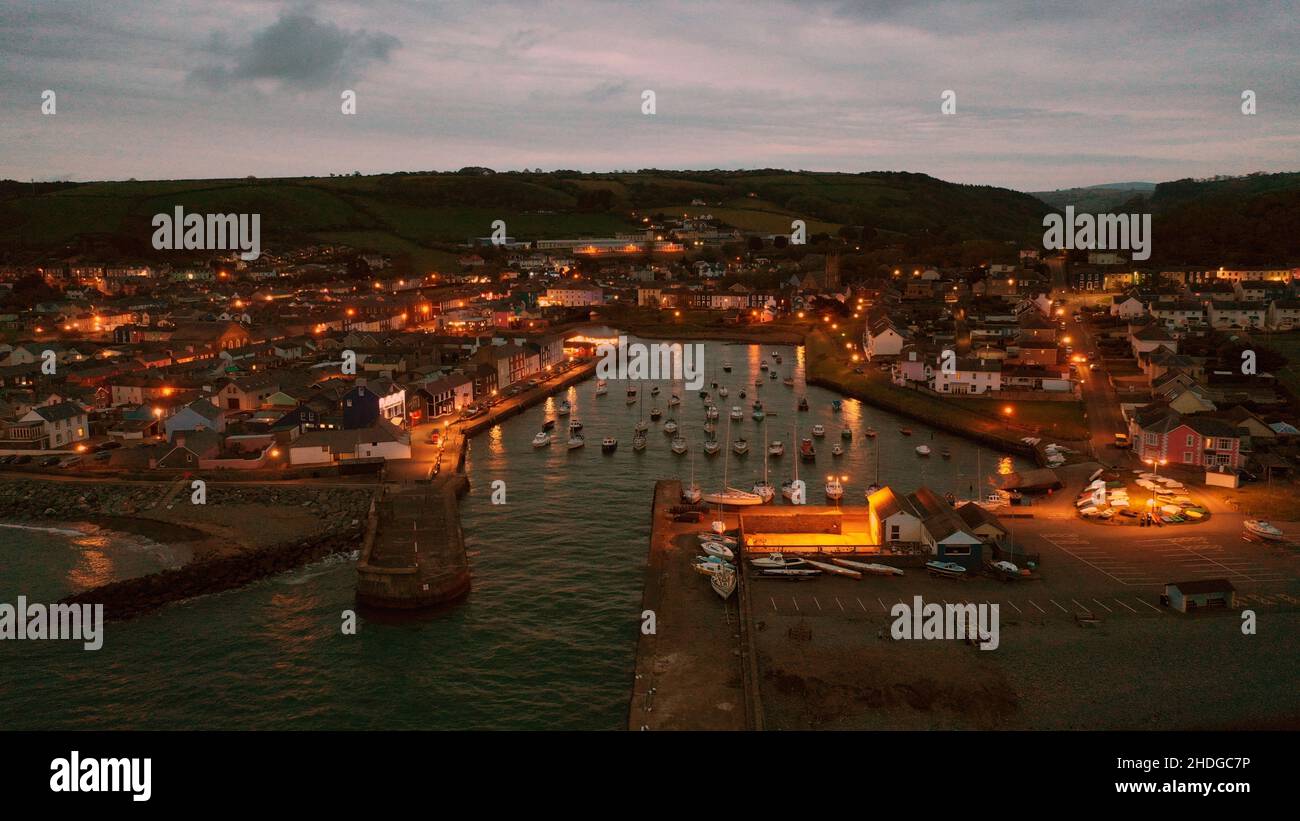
(1048, 94)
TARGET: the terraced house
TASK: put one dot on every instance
(48, 427)
(1163, 434)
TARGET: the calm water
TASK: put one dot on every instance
(546, 638)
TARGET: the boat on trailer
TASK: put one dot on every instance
(873, 568)
(950, 569)
(1264, 530)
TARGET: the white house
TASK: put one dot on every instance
(323, 447)
(893, 518)
(968, 376)
(882, 338)
(55, 426)
(1237, 314)
(1126, 307)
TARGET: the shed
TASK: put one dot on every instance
(1186, 597)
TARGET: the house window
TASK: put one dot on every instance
(956, 550)
(1191, 440)
(894, 533)
(1188, 458)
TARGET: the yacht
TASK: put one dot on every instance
(712, 446)
(609, 444)
(542, 439)
(576, 441)
(638, 442)
(777, 448)
(670, 427)
(740, 446)
(602, 387)
(564, 408)
(922, 450)
(838, 450)
(655, 413)
(819, 431)
(679, 445)
(736, 413)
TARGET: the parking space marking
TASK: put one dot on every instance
(773, 602)
(1035, 604)
(1063, 610)
(1122, 604)
(1108, 610)
(860, 604)
(1152, 606)
(1013, 604)
(819, 604)
(796, 603)
(882, 605)
(841, 604)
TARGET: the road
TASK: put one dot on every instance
(1100, 401)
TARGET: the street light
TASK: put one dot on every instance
(1155, 464)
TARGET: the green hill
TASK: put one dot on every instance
(429, 214)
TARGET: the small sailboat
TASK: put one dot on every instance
(776, 448)
(723, 392)
(679, 445)
(736, 413)
(674, 401)
(806, 450)
(726, 366)
(718, 549)
(602, 387)
(692, 493)
(542, 439)
(764, 488)
(670, 427)
(641, 426)
(576, 441)
(819, 431)
(638, 442)
(846, 433)
(740, 446)
(803, 403)
(836, 405)
(608, 445)
(834, 489)
(655, 413)
(723, 583)
(564, 408)
(837, 450)
(873, 568)
(713, 536)
(730, 495)
(922, 450)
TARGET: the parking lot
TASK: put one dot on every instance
(1139, 559)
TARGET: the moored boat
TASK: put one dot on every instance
(655, 413)
(726, 366)
(835, 569)
(712, 447)
(609, 444)
(803, 403)
(576, 441)
(777, 448)
(922, 450)
(638, 442)
(670, 427)
(870, 433)
(837, 450)
(846, 433)
(679, 445)
(1264, 530)
(575, 426)
(733, 496)
(736, 413)
(834, 489)
(765, 490)
(723, 583)
(542, 439)
(819, 431)
(564, 408)
(806, 450)
(740, 446)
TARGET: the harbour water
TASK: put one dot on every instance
(545, 639)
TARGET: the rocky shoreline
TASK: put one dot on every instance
(242, 533)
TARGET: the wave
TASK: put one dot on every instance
(60, 530)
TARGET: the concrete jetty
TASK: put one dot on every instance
(693, 672)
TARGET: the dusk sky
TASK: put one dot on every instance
(1049, 94)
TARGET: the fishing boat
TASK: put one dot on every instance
(726, 367)
(922, 450)
(776, 448)
(670, 427)
(951, 569)
(945, 453)
(674, 401)
(788, 381)
(549, 424)
(655, 413)
(806, 450)
(723, 392)
(679, 445)
(608, 445)
(869, 567)
(774, 561)
(723, 583)
(564, 408)
(835, 569)
(1264, 530)
(711, 447)
(819, 431)
(736, 413)
(575, 426)
(542, 439)
(837, 450)
(803, 403)
(718, 549)
(870, 433)
(730, 495)
(602, 387)
(846, 433)
(740, 446)
(762, 366)
(638, 442)
(576, 441)
(834, 489)
(836, 405)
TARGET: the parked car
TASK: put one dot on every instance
(50, 461)
(110, 445)
(23, 460)
(69, 461)
(103, 456)
(4, 460)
